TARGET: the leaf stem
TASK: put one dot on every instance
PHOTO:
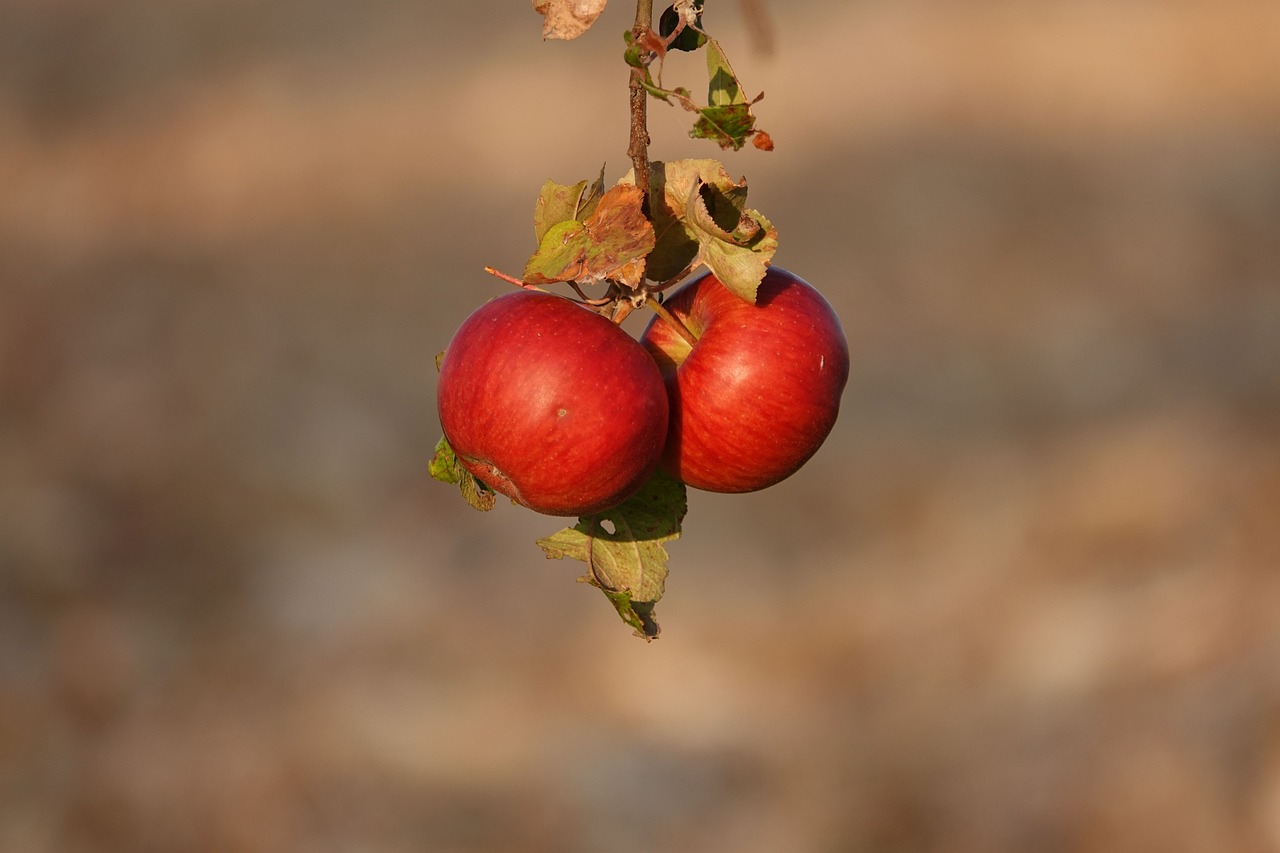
(510, 279)
(638, 150)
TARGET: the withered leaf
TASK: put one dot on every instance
(567, 19)
(700, 216)
(561, 202)
(610, 244)
(728, 125)
(620, 236)
(556, 203)
(446, 468)
(762, 140)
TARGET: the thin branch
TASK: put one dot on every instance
(638, 150)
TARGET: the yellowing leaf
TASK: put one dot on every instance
(700, 217)
(630, 274)
(727, 118)
(722, 87)
(738, 258)
(556, 203)
(567, 19)
(610, 244)
(669, 186)
(561, 255)
(446, 468)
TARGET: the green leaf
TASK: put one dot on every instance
(446, 468)
(444, 464)
(727, 118)
(637, 55)
(633, 55)
(729, 125)
(722, 83)
(624, 549)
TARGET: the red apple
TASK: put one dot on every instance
(757, 393)
(551, 404)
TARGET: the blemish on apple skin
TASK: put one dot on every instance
(562, 412)
(822, 362)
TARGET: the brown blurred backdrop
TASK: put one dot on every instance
(1027, 597)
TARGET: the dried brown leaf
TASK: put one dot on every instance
(567, 19)
(762, 140)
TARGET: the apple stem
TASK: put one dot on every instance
(672, 321)
(621, 310)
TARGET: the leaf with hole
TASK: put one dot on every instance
(624, 549)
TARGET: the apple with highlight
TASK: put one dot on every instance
(552, 404)
(754, 396)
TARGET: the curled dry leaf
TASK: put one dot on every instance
(762, 140)
(567, 19)
(700, 217)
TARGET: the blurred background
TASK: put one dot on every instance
(1027, 597)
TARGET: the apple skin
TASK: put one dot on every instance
(754, 398)
(551, 404)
